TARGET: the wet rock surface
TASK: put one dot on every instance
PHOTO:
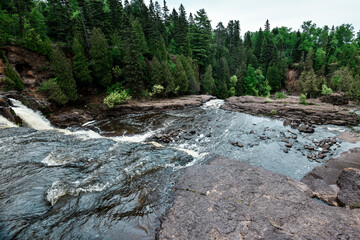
(316, 112)
(7, 112)
(229, 199)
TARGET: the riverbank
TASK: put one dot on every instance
(315, 113)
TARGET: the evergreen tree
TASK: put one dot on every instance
(58, 19)
(81, 65)
(200, 38)
(100, 58)
(222, 79)
(208, 82)
(63, 73)
(274, 78)
(181, 79)
(241, 75)
(259, 44)
(141, 40)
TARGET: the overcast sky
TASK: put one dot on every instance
(252, 14)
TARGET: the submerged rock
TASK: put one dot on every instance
(306, 129)
(230, 199)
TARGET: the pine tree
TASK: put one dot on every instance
(58, 19)
(208, 82)
(191, 70)
(181, 79)
(259, 44)
(200, 38)
(274, 78)
(241, 74)
(81, 65)
(63, 73)
(156, 73)
(141, 40)
(100, 58)
(222, 78)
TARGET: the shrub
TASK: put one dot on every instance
(117, 97)
(325, 90)
(54, 92)
(273, 112)
(280, 95)
(157, 90)
(302, 99)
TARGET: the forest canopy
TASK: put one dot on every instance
(129, 47)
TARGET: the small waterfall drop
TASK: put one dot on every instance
(31, 118)
(213, 104)
(4, 123)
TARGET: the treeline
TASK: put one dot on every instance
(132, 49)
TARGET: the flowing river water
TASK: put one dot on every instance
(116, 182)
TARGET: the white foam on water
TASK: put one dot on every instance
(4, 123)
(59, 189)
(88, 123)
(214, 104)
(31, 118)
(52, 160)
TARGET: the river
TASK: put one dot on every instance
(109, 179)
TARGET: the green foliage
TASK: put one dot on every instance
(81, 66)
(342, 80)
(273, 112)
(233, 81)
(280, 95)
(54, 92)
(100, 58)
(208, 82)
(117, 97)
(63, 73)
(302, 99)
(325, 90)
(157, 90)
(181, 79)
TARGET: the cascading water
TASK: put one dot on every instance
(31, 118)
(70, 184)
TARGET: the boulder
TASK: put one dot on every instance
(349, 184)
(306, 129)
(336, 99)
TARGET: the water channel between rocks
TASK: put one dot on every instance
(115, 182)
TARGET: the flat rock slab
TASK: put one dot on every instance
(315, 113)
(161, 104)
(229, 199)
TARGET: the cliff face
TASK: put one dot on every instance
(229, 199)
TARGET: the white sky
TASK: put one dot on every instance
(252, 14)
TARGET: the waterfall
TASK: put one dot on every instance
(31, 118)
(216, 103)
(6, 123)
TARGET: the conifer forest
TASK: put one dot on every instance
(130, 49)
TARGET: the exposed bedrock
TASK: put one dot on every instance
(316, 112)
(229, 199)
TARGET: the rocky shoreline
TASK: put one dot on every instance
(316, 113)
